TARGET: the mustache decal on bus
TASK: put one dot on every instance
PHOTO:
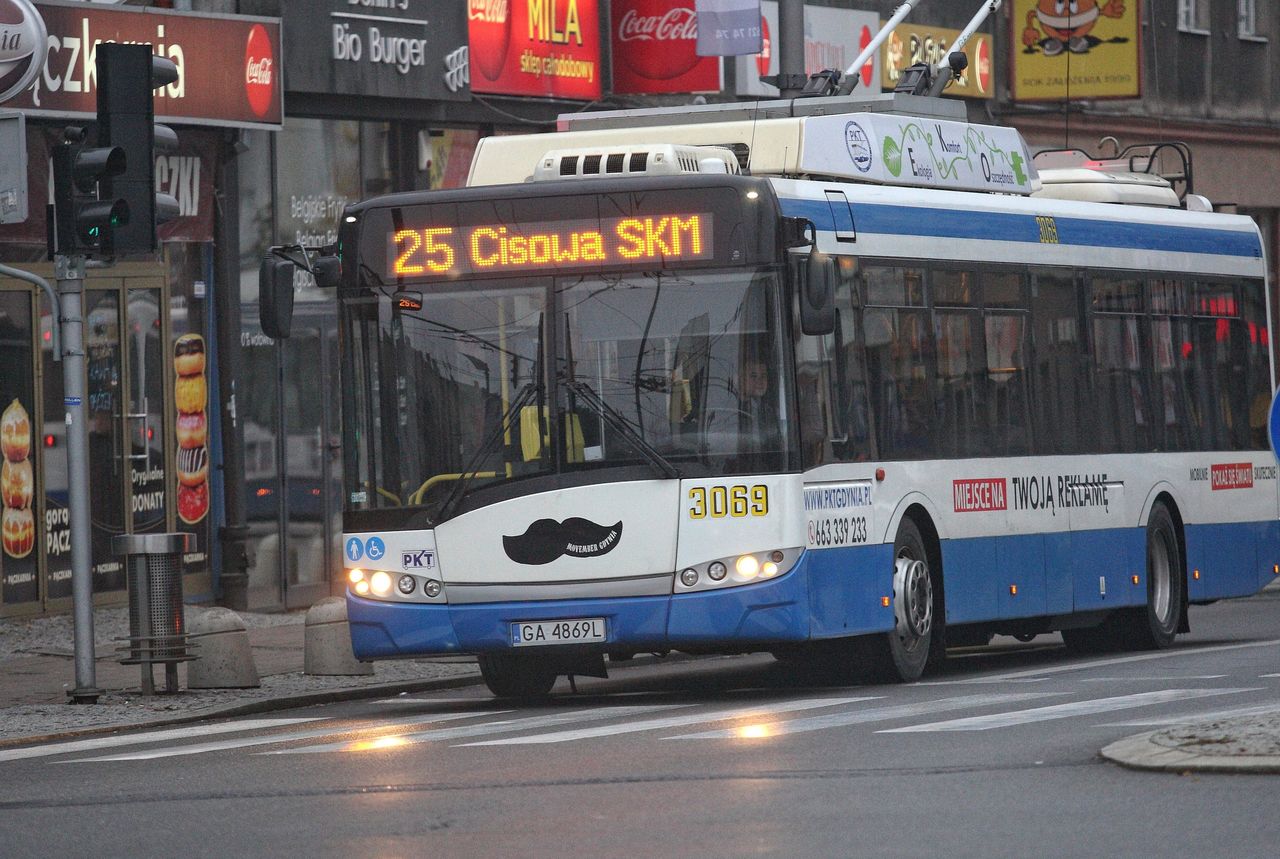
(546, 539)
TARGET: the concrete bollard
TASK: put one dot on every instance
(224, 657)
(327, 648)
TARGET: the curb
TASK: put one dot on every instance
(266, 705)
(1140, 752)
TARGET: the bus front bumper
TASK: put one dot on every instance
(727, 618)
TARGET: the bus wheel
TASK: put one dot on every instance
(904, 651)
(510, 676)
(1154, 626)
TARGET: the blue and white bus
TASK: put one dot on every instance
(848, 386)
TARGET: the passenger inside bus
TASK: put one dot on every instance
(760, 432)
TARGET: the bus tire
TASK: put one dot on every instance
(902, 654)
(510, 676)
(1155, 625)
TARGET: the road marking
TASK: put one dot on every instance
(1100, 663)
(1063, 711)
(114, 740)
(246, 742)
(1151, 679)
(502, 726)
(1206, 716)
(1269, 675)
(754, 712)
(763, 730)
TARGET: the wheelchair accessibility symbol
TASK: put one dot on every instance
(375, 548)
(355, 549)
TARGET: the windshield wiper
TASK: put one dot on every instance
(611, 416)
(523, 398)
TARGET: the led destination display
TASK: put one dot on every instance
(448, 251)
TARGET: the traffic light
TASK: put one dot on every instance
(84, 216)
(127, 76)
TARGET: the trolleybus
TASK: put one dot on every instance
(848, 381)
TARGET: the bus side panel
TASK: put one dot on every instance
(1059, 566)
(967, 566)
(1227, 557)
(1020, 564)
(846, 587)
(1104, 562)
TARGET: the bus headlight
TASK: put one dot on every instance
(737, 570)
(380, 583)
(407, 584)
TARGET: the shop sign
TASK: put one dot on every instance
(228, 66)
(909, 44)
(22, 45)
(406, 49)
(1087, 50)
(548, 48)
(833, 38)
(187, 173)
(654, 44)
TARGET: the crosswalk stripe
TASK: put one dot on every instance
(1152, 679)
(114, 740)
(1100, 663)
(292, 736)
(858, 717)
(502, 726)
(1204, 716)
(755, 711)
(1063, 711)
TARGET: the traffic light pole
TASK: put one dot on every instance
(70, 275)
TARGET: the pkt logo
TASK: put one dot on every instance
(419, 559)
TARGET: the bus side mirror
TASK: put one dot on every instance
(275, 296)
(327, 271)
(818, 295)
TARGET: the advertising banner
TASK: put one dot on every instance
(654, 49)
(909, 44)
(228, 67)
(728, 28)
(548, 48)
(410, 49)
(905, 150)
(1086, 49)
(833, 38)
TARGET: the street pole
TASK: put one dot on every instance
(791, 75)
(69, 271)
(234, 577)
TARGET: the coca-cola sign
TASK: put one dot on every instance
(654, 45)
(535, 47)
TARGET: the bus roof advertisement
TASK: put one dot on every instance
(931, 153)
(1090, 50)
(654, 49)
(548, 48)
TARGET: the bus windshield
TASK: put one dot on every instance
(489, 382)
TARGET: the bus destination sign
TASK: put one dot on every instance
(446, 251)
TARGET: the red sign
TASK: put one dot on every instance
(547, 48)
(1231, 475)
(654, 45)
(217, 84)
(975, 496)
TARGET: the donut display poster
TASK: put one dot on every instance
(190, 397)
(20, 531)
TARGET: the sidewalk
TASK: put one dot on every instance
(37, 667)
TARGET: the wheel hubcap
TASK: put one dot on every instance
(1161, 586)
(913, 599)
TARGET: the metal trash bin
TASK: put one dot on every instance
(157, 628)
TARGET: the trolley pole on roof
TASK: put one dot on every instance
(850, 79)
(791, 73)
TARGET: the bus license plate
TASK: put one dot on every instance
(578, 630)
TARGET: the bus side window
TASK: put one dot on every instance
(898, 347)
(1257, 343)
